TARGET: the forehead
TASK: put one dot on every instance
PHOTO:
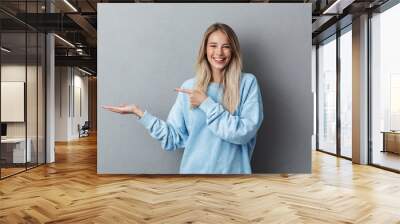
(218, 36)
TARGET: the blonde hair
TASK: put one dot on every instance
(231, 73)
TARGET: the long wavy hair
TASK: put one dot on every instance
(231, 73)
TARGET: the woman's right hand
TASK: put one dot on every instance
(125, 109)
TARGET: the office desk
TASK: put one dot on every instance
(16, 147)
(391, 141)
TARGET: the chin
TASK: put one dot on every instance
(219, 67)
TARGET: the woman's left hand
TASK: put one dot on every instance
(196, 96)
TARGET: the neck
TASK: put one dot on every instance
(217, 76)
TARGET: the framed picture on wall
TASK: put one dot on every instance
(12, 101)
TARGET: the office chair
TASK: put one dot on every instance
(84, 130)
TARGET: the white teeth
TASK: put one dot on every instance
(218, 59)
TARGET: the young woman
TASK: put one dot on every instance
(216, 114)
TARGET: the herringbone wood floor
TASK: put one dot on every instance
(70, 191)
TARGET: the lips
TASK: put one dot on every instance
(219, 60)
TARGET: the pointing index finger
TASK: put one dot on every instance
(182, 90)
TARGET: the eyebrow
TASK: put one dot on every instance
(216, 43)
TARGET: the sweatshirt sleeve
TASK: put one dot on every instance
(172, 133)
(237, 129)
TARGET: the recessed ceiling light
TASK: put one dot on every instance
(5, 50)
(70, 5)
(84, 71)
(338, 6)
(64, 40)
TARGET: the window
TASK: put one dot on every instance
(346, 93)
(385, 88)
(327, 95)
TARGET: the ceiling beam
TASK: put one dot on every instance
(85, 25)
(85, 61)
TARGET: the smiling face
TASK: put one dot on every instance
(219, 51)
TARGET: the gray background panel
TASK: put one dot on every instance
(146, 50)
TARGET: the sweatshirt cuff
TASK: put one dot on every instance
(147, 119)
(207, 105)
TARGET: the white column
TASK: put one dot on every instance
(50, 110)
(50, 93)
(360, 90)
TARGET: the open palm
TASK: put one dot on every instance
(125, 109)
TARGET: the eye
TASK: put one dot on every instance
(212, 45)
(227, 46)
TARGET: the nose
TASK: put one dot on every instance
(219, 51)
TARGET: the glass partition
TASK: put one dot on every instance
(32, 95)
(22, 63)
(14, 153)
(41, 91)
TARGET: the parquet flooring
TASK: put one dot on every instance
(70, 191)
(10, 171)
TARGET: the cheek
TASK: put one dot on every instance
(209, 53)
(228, 54)
(208, 58)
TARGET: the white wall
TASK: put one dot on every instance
(61, 103)
(70, 83)
(79, 117)
(16, 72)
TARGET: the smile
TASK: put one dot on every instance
(219, 60)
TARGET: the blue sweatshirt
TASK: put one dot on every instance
(214, 140)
